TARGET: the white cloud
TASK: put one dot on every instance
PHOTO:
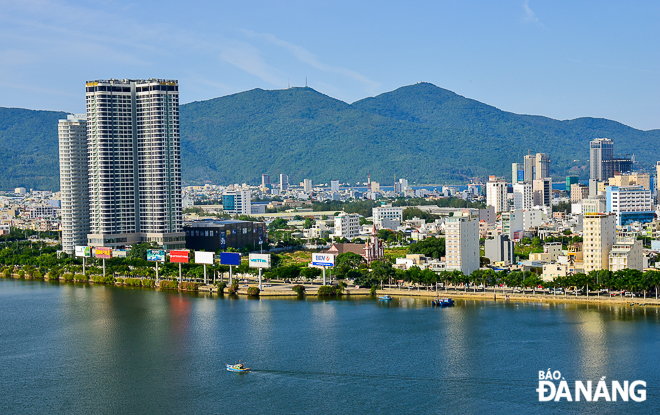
(305, 56)
(247, 58)
(530, 16)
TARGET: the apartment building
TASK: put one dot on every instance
(462, 241)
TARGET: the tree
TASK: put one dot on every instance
(382, 270)
(278, 223)
(309, 222)
(430, 247)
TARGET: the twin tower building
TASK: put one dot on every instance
(120, 166)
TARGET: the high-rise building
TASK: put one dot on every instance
(571, 180)
(307, 185)
(496, 194)
(522, 196)
(579, 192)
(530, 168)
(387, 216)
(404, 184)
(265, 181)
(347, 225)
(599, 235)
(517, 173)
(134, 162)
(601, 150)
(334, 185)
(542, 189)
(630, 179)
(630, 204)
(284, 182)
(237, 202)
(542, 169)
(462, 241)
(74, 181)
(657, 180)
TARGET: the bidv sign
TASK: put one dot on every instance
(323, 260)
(259, 261)
(588, 391)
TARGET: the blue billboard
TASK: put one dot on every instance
(521, 175)
(230, 258)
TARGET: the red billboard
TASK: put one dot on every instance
(180, 256)
(103, 252)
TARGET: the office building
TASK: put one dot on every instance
(571, 180)
(630, 204)
(220, 234)
(307, 185)
(387, 216)
(496, 194)
(631, 179)
(334, 185)
(74, 181)
(601, 149)
(462, 241)
(594, 205)
(530, 168)
(542, 189)
(237, 202)
(134, 162)
(284, 182)
(542, 169)
(517, 173)
(265, 182)
(578, 192)
(512, 224)
(347, 225)
(500, 249)
(599, 235)
(522, 196)
(657, 180)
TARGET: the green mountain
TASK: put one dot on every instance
(420, 132)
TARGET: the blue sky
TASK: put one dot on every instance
(561, 59)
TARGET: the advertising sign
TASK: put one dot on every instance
(204, 257)
(259, 261)
(323, 260)
(103, 252)
(83, 251)
(180, 256)
(230, 258)
(223, 240)
(155, 255)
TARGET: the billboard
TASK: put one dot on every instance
(182, 257)
(103, 252)
(83, 251)
(204, 257)
(156, 255)
(323, 260)
(259, 261)
(230, 258)
(223, 240)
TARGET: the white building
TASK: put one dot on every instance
(522, 196)
(347, 225)
(533, 218)
(542, 189)
(599, 235)
(593, 205)
(134, 162)
(237, 202)
(307, 185)
(512, 224)
(630, 204)
(462, 241)
(387, 216)
(627, 253)
(74, 181)
(496, 194)
(334, 185)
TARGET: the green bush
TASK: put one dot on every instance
(146, 282)
(326, 290)
(299, 289)
(169, 285)
(234, 288)
(21, 273)
(68, 276)
(99, 279)
(221, 287)
(189, 286)
(52, 276)
(253, 291)
(372, 291)
(133, 282)
(6, 273)
(37, 275)
(80, 278)
(119, 280)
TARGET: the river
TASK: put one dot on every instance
(88, 349)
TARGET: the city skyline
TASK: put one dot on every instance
(560, 60)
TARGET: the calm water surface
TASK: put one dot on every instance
(68, 348)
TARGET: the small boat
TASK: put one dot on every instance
(444, 302)
(384, 297)
(240, 367)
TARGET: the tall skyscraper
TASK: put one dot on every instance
(516, 170)
(599, 237)
(237, 202)
(284, 182)
(601, 150)
(307, 185)
(542, 189)
(265, 181)
(334, 185)
(523, 196)
(542, 169)
(74, 181)
(530, 168)
(134, 162)
(496, 194)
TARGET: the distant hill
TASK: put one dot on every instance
(420, 132)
